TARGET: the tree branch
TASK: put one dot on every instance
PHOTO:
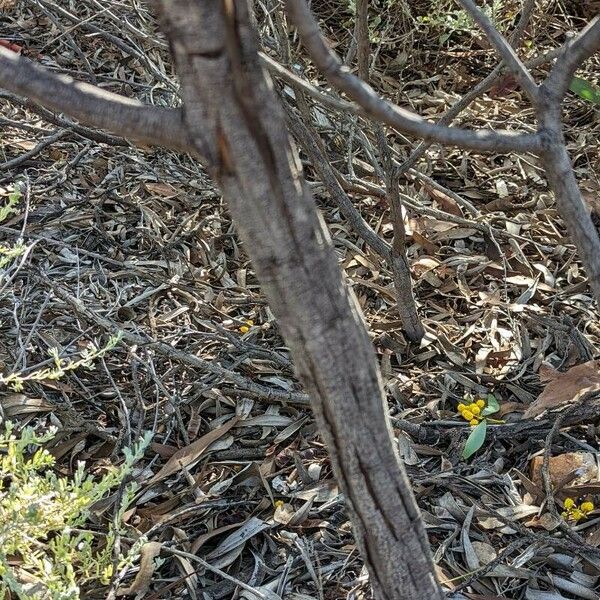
(361, 33)
(305, 138)
(93, 106)
(504, 49)
(400, 119)
(482, 87)
(576, 50)
(281, 72)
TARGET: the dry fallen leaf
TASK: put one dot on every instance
(20, 404)
(565, 387)
(166, 190)
(190, 454)
(580, 465)
(149, 551)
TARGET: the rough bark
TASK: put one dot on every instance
(236, 123)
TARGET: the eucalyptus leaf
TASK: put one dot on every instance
(584, 89)
(475, 439)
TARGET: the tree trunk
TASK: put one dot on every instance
(238, 127)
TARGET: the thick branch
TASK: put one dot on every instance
(576, 50)
(399, 118)
(569, 200)
(232, 112)
(126, 116)
(504, 49)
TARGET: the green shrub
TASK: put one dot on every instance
(46, 551)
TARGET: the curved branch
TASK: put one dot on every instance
(504, 49)
(573, 210)
(576, 50)
(93, 106)
(400, 119)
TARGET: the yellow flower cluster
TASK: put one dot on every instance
(246, 328)
(472, 412)
(573, 512)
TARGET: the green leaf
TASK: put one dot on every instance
(584, 89)
(475, 439)
(491, 407)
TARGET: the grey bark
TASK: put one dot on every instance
(235, 122)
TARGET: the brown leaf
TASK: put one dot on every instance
(578, 466)
(190, 454)
(20, 404)
(166, 190)
(446, 203)
(567, 387)
(149, 551)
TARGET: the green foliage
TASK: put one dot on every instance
(491, 406)
(445, 16)
(61, 366)
(475, 439)
(584, 89)
(45, 551)
(10, 207)
(9, 253)
(478, 434)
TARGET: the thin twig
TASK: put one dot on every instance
(15, 162)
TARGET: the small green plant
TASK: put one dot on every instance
(46, 552)
(584, 89)
(8, 253)
(61, 366)
(477, 413)
(444, 16)
(13, 199)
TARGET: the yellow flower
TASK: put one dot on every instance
(576, 514)
(569, 503)
(587, 507)
(249, 322)
(278, 503)
(473, 422)
(475, 409)
(244, 329)
(468, 415)
(480, 403)
(461, 407)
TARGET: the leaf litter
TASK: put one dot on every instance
(236, 492)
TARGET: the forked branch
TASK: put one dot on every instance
(504, 49)
(380, 109)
